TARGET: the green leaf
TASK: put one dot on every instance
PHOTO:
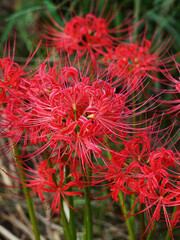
(7, 30)
(164, 24)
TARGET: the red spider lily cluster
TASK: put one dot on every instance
(147, 172)
(94, 117)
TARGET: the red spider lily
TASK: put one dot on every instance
(61, 106)
(136, 60)
(69, 110)
(11, 76)
(132, 61)
(87, 35)
(149, 173)
(14, 86)
(159, 202)
(49, 180)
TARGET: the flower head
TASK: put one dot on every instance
(50, 184)
(136, 60)
(87, 35)
(150, 173)
(71, 110)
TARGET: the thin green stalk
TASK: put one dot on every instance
(66, 230)
(71, 211)
(142, 224)
(128, 221)
(88, 227)
(168, 236)
(72, 218)
(27, 194)
(150, 235)
(137, 4)
(132, 219)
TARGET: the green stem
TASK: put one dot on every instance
(88, 227)
(72, 218)
(168, 236)
(137, 4)
(27, 194)
(132, 219)
(127, 222)
(66, 230)
(142, 224)
(71, 211)
(150, 235)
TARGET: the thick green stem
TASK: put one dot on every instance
(66, 230)
(127, 222)
(27, 194)
(72, 218)
(88, 227)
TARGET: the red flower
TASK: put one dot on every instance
(11, 76)
(136, 60)
(88, 35)
(150, 173)
(51, 181)
(69, 110)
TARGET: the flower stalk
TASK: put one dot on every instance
(137, 4)
(128, 221)
(71, 211)
(142, 223)
(168, 235)
(26, 193)
(64, 220)
(88, 227)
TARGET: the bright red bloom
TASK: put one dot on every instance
(76, 113)
(11, 79)
(88, 35)
(136, 60)
(14, 86)
(52, 181)
(149, 173)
